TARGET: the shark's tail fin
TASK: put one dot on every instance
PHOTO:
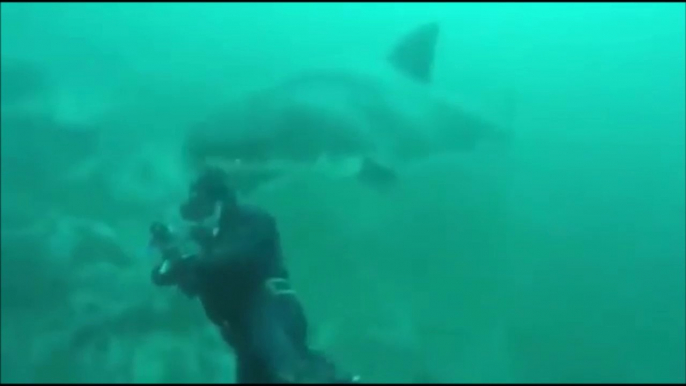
(509, 117)
(500, 128)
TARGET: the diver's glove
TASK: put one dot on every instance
(179, 272)
(317, 368)
(178, 266)
(187, 275)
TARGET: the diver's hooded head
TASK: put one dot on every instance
(209, 193)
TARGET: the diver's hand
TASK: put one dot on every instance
(317, 368)
(346, 379)
(161, 274)
(174, 271)
(187, 273)
(351, 379)
(165, 267)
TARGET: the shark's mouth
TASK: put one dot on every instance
(247, 175)
(240, 166)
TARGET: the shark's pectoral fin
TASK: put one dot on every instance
(375, 173)
(414, 54)
(367, 169)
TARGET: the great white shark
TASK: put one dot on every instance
(366, 121)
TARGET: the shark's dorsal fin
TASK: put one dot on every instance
(414, 54)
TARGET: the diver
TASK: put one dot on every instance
(239, 275)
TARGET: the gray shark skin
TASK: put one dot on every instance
(365, 122)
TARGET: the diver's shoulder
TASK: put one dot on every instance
(257, 213)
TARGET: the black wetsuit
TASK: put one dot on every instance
(241, 281)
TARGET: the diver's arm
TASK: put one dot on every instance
(172, 272)
(163, 276)
(252, 247)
